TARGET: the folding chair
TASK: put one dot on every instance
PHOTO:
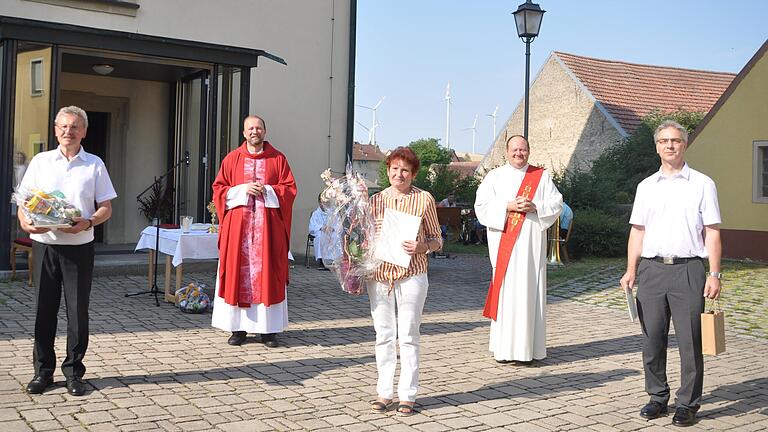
(310, 244)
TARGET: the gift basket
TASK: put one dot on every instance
(192, 299)
(351, 230)
(45, 209)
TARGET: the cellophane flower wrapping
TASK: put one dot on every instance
(45, 208)
(350, 230)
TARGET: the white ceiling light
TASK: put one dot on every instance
(103, 69)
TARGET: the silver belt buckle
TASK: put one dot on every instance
(669, 260)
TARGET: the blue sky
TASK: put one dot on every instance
(408, 50)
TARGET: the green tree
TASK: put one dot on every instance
(443, 182)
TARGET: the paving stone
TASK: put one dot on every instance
(156, 369)
(46, 425)
(36, 415)
(16, 426)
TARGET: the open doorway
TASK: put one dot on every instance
(96, 142)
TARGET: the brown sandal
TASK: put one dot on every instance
(404, 410)
(381, 407)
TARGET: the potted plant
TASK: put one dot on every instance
(157, 203)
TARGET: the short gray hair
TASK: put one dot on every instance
(73, 110)
(666, 124)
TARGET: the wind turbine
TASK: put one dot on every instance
(474, 131)
(493, 117)
(367, 129)
(448, 116)
(374, 123)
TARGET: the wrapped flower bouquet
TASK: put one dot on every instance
(351, 230)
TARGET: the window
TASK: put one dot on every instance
(760, 172)
(36, 77)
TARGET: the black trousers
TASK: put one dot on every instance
(55, 267)
(675, 291)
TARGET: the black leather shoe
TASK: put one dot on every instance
(270, 340)
(504, 361)
(684, 417)
(75, 386)
(39, 384)
(237, 338)
(653, 410)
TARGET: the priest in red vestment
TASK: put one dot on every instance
(254, 193)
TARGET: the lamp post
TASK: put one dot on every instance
(528, 21)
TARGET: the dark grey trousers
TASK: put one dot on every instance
(55, 267)
(675, 291)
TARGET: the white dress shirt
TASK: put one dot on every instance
(84, 181)
(674, 211)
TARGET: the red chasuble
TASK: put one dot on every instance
(508, 239)
(275, 235)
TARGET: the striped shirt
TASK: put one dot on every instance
(416, 202)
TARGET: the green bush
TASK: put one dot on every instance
(598, 234)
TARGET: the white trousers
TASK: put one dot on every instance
(409, 294)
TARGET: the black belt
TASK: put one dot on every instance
(674, 260)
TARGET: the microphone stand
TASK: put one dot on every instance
(154, 290)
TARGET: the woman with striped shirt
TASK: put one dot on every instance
(406, 287)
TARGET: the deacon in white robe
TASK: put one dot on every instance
(519, 332)
(316, 223)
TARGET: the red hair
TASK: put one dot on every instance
(406, 155)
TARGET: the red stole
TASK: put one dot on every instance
(508, 239)
(276, 229)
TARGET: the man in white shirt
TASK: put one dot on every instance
(675, 225)
(64, 257)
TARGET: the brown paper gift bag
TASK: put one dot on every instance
(713, 330)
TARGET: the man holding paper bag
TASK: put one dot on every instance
(675, 225)
(518, 202)
(407, 230)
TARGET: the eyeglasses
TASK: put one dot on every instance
(664, 141)
(65, 128)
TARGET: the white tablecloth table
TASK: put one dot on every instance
(177, 246)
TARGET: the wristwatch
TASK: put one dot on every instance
(715, 274)
(90, 224)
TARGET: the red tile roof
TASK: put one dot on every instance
(367, 152)
(629, 91)
(465, 169)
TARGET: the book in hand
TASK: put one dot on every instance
(631, 304)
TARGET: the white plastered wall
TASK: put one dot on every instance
(304, 103)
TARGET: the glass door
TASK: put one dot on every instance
(192, 104)
(229, 117)
(31, 122)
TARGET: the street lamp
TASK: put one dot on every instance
(528, 20)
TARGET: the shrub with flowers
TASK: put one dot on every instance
(351, 229)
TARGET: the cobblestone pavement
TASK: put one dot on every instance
(744, 297)
(154, 368)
